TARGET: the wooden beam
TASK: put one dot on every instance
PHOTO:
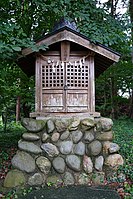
(70, 36)
(91, 46)
(42, 115)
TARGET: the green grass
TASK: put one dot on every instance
(123, 131)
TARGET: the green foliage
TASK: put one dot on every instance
(129, 190)
(17, 193)
(24, 20)
(12, 135)
(123, 178)
(124, 137)
(13, 40)
(115, 82)
(5, 160)
(14, 83)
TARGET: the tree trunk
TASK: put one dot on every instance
(131, 106)
(105, 99)
(131, 18)
(4, 120)
(18, 109)
(113, 94)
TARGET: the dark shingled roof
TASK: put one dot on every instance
(65, 23)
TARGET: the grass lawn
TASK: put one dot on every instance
(123, 131)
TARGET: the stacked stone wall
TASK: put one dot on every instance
(64, 151)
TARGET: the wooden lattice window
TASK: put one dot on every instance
(77, 76)
(72, 75)
(52, 76)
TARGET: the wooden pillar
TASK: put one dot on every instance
(92, 84)
(65, 50)
(38, 86)
(65, 54)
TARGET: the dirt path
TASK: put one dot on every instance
(73, 192)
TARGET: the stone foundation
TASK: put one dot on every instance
(59, 150)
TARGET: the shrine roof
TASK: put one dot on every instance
(104, 56)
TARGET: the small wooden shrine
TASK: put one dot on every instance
(65, 73)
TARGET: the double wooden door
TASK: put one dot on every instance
(65, 86)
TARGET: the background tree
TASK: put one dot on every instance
(131, 18)
(118, 78)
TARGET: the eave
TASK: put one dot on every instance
(104, 56)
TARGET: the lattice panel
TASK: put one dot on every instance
(77, 75)
(52, 76)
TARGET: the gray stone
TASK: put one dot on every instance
(110, 147)
(50, 126)
(59, 164)
(106, 146)
(55, 137)
(76, 136)
(84, 179)
(113, 147)
(94, 147)
(45, 136)
(66, 147)
(24, 162)
(68, 179)
(75, 124)
(98, 126)
(87, 164)
(87, 123)
(99, 163)
(65, 135)
(50, 149)
(73, 162)
(14, 178)
(88, 136)
(79, 148)
(106, 124)
(98, 178)
(62, 124)
(33, 125)
(36, 179)
(105, 136)
(30, 137)
(114, 161)
(53, 180)
(29, 147)
(43, 164)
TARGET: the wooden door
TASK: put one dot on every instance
(52, 87)
(77, 92)
(65, 87)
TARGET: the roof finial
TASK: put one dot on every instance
(63, 22)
